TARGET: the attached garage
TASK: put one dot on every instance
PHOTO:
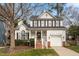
(56, 41)
(56, 37)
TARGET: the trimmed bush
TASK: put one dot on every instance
(21, 42)
(29, 42)
(32, 42)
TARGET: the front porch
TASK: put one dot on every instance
(40, 38)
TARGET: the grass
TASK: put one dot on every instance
(32, 52)
(75, 48)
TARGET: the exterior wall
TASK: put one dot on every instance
(56, 32)
(22, 27)
(31, 34)
(20, 22)
(47, 38)
(49, 23)
(45, 15)
(61, 33)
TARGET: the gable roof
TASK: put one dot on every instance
(52, 17)
(46, 13)
(18, 26)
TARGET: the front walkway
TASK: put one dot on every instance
(62, 51)
(2, 47)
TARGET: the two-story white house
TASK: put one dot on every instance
(46, 30)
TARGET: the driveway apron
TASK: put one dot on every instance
(62, 51)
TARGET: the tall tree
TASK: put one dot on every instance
(57, 6)
(72, 13)
(10, 13)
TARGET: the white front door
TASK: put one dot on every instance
(56, 41)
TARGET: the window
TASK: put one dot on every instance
(42, 23)
(32, 34)
(27, 36)
(35, 23)
(46, 23)
(23, 34)
(61, 23)
(53, 23)
(57, 23)
(38, 23)
(31, 24)
(50, 23)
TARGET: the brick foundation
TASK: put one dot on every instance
(38, 44)
(48, 44)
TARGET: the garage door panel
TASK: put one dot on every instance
(56, 41)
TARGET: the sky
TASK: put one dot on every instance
(42, 1)
(54, 13)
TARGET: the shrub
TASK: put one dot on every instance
(25, 42)
(32, 42)
(21, 42)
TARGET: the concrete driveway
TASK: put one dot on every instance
(62, 51)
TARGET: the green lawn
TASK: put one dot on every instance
(75, 48)
(32, 52)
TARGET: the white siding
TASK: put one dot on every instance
(45, 15)
(61, 23)
(32, 34)
(21, 27)
(56, 32)
(38, 23)
(46, 23)
(50, 23)
(57, 23)
(42, 23)
(31, 23)
(35, 23)
(20, 22)
(53, 23)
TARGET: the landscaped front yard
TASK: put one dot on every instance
(75, 48)
(31, 52)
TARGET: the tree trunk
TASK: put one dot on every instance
(12, 38)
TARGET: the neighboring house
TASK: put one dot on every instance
(47, 31)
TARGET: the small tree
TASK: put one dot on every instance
(73, 31)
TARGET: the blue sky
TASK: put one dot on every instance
(54, 13)
(40, 1)
(74, 4)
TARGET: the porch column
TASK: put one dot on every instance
(20, 35)
(35, 38)
(29, 34)
(42, 39)
(46, 40)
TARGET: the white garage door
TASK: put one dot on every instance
(56, 41)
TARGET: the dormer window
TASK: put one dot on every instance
(38, 23)
(31, 23)
(46, 20)
(42, 23)
(35, 23)
(61, 23)
(57, 23)
(50, 23)
(53, 23)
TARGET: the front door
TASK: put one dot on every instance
(38, 35)
(38, 41)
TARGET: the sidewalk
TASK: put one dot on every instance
(62, 51)
(2, 47)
